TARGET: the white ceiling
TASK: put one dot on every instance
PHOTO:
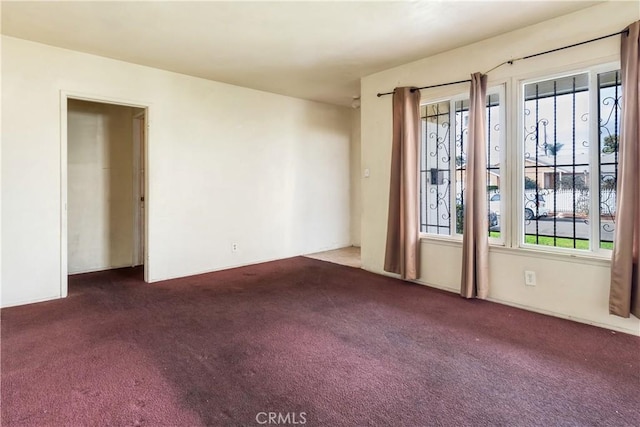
(311, 50)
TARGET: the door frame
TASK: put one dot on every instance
(64, 164)
(139, 202)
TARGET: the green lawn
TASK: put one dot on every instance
(606, 245)
(560, 242)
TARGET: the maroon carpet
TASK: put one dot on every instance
(312, 341)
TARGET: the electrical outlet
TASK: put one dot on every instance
(234, 247)
(530, 278)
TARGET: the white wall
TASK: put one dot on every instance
(100, 186)
(567, 286)
(356, 178)
(225, 165)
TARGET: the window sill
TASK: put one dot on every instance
(564, 256)
(445, 240)
(530, 252)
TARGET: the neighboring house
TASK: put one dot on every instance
(546, 175)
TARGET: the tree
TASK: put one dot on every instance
(552, 149)
(530, 184)
(569, 182)
(608, 182)
(610, 145)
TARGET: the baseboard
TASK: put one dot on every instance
(95, 270)
(551, 313)
(567, 317)
(34, 301)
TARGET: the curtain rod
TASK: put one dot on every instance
(511, 61)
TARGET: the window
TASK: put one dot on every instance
(564, 189)
(609, 112)
(443, 165)
(560, 166)
(435, 200)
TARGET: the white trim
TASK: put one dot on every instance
(455, 240)
(594, 162)
(32, 301)
(104, 99)
(95, 270)
(595, 136)
(511, 155)
(573, 258)
(517, 191)
(64, 96)
(567, 69)
(442, 94)
(500, 90)
(567, 256)
(64, 163)
(497, 89)
(564, 316)
(137, 194)
(453, 184)
(518, 305)
(591, 70)
(247, 264)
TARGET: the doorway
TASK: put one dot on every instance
(105, 186)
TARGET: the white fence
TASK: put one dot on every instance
(563, 201)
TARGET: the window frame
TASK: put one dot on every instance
(518, 238)
(499, 88)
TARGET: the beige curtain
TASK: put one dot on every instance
(475, 240)
(624, 296)
(402, 250)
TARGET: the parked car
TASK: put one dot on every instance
(530, 208)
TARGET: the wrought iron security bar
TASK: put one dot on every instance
(435, 172)
(556, 157)
(443, 141)
(558, 162)
(609, 113)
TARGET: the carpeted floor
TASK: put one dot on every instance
(313, 341)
